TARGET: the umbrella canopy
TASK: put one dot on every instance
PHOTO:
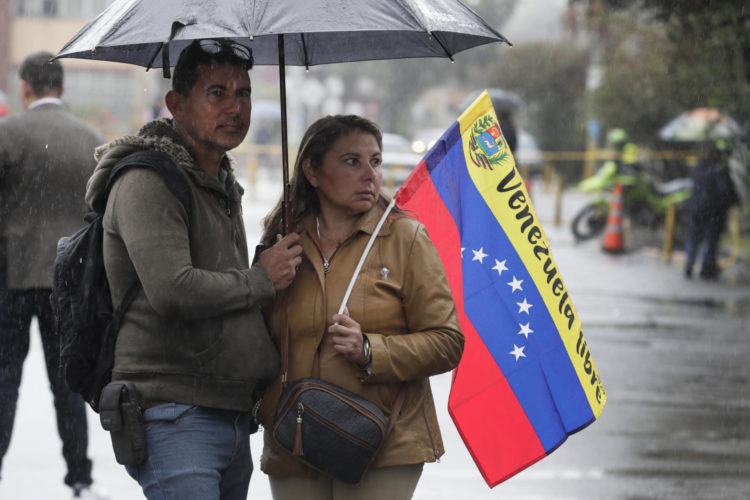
(315, 31)
(303, 33)
(701, 124)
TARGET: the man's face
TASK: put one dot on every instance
(216, 115)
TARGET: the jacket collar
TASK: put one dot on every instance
(46, 101)
(159, 135)
(164, 127)
(366, 223)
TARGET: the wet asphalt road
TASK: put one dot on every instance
(674, 357)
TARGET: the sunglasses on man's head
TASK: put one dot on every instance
(217, 46)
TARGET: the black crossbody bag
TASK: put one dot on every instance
(327, 427)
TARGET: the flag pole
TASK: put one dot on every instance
(364, 254)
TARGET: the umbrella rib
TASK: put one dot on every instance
(304, 51)
(445, 49)
(153, 58)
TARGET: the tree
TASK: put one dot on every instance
(662, 57)
(551, 78)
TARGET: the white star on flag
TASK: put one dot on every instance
(517, 352)
(524, 306)
(479, 255)
(525, 330)
(515, 284)
(499, 267)
(462, 252)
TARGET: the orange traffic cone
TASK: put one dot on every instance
(613, 238)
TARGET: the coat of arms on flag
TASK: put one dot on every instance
(488, 147)
(527, 379)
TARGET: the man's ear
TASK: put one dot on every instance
(174, 102)
(309, 172)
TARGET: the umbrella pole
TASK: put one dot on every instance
(285, 208)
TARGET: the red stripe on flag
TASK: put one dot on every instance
(488, 416)
(482, 404)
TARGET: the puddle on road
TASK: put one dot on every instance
(732, 305)
(678, 472)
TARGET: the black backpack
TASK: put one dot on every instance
(85, 319)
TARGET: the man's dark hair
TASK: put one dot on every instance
(42, 74)
(194, 55)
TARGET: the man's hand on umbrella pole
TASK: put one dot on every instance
(282, 260)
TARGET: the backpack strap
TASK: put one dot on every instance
(160, 162)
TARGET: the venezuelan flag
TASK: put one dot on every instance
(526, 379)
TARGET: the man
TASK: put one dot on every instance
(46, 155)
(194, 341)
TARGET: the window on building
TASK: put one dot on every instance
(78, 9)
(49, 8)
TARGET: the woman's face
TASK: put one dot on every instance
(349, 179)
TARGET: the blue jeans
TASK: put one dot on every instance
(17, 307)
(704, 233)
(195, 452)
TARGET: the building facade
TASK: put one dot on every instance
(115, 98)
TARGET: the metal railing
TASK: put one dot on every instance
(250, 157)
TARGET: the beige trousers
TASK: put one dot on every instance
(386, 483)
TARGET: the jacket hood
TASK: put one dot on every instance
(157, 135)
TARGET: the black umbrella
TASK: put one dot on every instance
(296, 32)
(700, 124)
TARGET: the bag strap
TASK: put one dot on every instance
(284, 326)
(400, 395)
(398, 402)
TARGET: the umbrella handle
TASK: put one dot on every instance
(285, 206)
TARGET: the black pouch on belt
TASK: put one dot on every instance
(120, 414)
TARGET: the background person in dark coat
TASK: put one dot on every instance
(712, 197)
(46, 157)
(194, 341)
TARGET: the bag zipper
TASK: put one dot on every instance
(313, 386)
(341, 431)
(297, 450)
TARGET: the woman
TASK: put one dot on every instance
(400, 326)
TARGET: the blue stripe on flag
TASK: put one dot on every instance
(548, 395)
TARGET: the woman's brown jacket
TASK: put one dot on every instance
(403, 303)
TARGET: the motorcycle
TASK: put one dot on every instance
(645, 201)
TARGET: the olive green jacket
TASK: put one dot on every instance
(195, 333)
